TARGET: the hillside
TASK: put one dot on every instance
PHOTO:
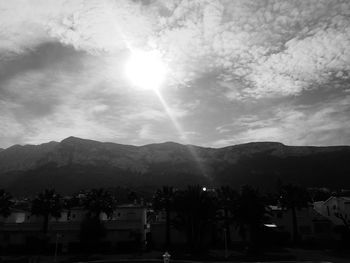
(75, 163)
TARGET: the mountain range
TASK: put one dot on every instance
(75, 163)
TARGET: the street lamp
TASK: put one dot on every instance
(225, 241)
(166, 257)
(56, 246)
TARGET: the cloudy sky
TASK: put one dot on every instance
(237, 71)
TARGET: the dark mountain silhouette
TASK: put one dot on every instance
(75, 164)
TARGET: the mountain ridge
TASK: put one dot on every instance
(76, 163)
(74, 138)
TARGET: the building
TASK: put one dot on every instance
(128, 225)
(336, 209)
(312, 226)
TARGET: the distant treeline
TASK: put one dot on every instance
(191, 210)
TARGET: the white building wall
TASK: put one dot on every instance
(333, 206)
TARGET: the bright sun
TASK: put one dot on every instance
(145, 69)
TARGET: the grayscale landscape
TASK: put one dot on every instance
(180, 131)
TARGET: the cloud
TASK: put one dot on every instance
(53, 101)
(104, 26)
(276, 48)
(8, 123)
(22, 26)
(92, 26)
(61, 70)
(298, 125)
(313, 60)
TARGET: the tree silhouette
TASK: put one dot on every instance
(99, 201)
(195, 211)
(294, 197)
(70, 202)
(91, 231)
(133, 197)
(249, 213)
(319, 194)
(96, 202)
(343, 217)
(5, 203)
(47, 203)
(163, 200)
(344, 229)
(227, 198)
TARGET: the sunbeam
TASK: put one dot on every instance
(181, 132)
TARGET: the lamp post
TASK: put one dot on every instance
(56, 247)
(225, 241)
(166, 257)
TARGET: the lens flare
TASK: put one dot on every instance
(147, 71)
(181, 133)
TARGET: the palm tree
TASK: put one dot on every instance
(96, 202)
(46, 204)
(249, 213)
(133, 197)
(163, 200)
(294, 197)
(5, 203)
(99, 201)
(196, 210)
(227, 198)
(70, 202)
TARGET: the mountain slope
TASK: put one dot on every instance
(75, 163)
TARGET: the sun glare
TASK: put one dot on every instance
(145, 69)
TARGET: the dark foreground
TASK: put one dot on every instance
(285, 255)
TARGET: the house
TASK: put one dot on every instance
(312, 226)
(127, 225)
(335, 208)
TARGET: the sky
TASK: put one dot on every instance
(237, 71)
